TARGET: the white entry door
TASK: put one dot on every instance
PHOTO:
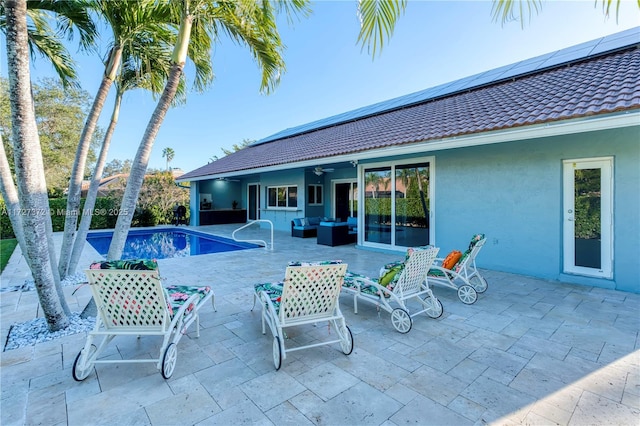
(588, 216)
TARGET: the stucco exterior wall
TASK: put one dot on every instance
(512, 192)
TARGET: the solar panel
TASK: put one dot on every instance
(570, 54)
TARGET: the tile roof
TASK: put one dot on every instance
(597, 85)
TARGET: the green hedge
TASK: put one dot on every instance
(104, 215)
(407, 209)
(587, 217)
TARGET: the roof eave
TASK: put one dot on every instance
(556, 128)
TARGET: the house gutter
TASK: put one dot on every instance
(565, 127)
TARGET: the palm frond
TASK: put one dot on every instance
(377, 22)
(515, 10)
(71, 16)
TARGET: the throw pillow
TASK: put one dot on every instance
(452, 258)
(390, 274)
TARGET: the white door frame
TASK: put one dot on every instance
(605, 164)
(257, 212)
(361, 193)
(334, 182)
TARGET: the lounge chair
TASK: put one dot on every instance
(399, 283)
(463, 276)
(131, 301)
(308, 294)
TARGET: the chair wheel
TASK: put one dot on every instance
(169, 360)
(433, 307)
(80, 370)
(277, 353)
(467, 294)
(478, 283)
(347, 341)
(401, 320)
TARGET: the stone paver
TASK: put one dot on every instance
(528, 351)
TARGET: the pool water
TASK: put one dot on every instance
(166, 243)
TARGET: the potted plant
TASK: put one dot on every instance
(234, 204)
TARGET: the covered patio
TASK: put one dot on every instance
(529, 351)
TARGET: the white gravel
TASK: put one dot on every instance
(36, 331)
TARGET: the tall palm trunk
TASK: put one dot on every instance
(10, 196)
(32, 190)
(141, 161)
(92, 194)
(77, 173)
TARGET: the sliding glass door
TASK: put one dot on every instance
(397, 209)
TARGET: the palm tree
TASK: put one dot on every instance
(10, 196)
(69, 16)
(32, 190)
(126, 20)
(147, 69)
(250, 23)
(168, 153)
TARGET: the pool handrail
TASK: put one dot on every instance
(269, 247)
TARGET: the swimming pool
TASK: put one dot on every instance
(164, 243)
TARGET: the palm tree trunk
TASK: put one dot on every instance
(140, 163)
(92, 194)
(10, 196)
(32, 189)
(77, 173)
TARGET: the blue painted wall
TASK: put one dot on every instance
(512, 192)
(282, 218)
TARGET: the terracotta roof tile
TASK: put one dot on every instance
(598, 85)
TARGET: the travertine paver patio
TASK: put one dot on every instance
(528, 352)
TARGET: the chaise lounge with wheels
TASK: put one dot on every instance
(459, 272)
(397, 284)
(132, 301)
(308, 294)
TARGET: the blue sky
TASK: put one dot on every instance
(327, 73)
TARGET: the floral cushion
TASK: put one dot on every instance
(350, 282)
(176, 295)
(179, 294)
(273, 291)
(134, 265)
(460, 263)
(314, 263)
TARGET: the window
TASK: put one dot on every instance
(314, 195)
(282, 197)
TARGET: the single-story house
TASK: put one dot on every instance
(542, 156)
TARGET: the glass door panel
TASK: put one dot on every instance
(588, 220)
(588, 217)
(377, 205)
(411, 205)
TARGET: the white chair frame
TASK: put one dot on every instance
(134, 303)
(309, 295)
(411, 284)
(464, 278)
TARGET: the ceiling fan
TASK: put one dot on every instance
(320, 170)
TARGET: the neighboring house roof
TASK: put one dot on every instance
(105, 184)
(117, 181)
(603, 83)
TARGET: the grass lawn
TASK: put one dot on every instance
(6, 249)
